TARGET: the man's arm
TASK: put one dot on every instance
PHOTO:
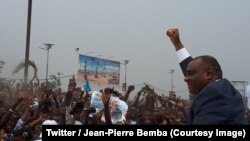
(182, 54)
(130, 89)
(174, 36)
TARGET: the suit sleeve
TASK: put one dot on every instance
(184, 64)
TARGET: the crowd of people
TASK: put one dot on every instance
(31, 106)
(24, 108)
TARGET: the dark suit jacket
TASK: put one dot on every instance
(218, 103)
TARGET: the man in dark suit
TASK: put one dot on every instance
(216, 100)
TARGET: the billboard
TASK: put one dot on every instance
(98, 71)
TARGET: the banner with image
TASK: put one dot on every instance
(98, 71)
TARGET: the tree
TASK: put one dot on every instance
(56, 82)
(32, 64)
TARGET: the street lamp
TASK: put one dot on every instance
(125, 79)
(47, 48)
(1, 67)
(172, 83)
(77, 62)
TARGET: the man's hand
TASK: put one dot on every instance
(174, 36)
(131, 88)
(106, 96)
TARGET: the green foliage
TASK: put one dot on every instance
(145, 90)
(55, 81)
(21, 66)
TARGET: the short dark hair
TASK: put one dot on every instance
(25, 132)
(213, 63)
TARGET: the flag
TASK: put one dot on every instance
(87, 87)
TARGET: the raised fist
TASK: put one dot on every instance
(131, 87)
(174, 36)
(173, 32)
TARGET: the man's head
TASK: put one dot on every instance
(23, 134)
(201, 71)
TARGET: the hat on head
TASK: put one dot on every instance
(49, 122)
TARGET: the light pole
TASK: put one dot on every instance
(1, 67)
(27, 49)
(47, 48)
(172, 79)
(77, 62)
(125, 79)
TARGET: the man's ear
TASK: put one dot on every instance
(209, 73)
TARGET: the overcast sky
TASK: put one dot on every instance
(127, 29)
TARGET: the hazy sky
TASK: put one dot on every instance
(127, 29)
